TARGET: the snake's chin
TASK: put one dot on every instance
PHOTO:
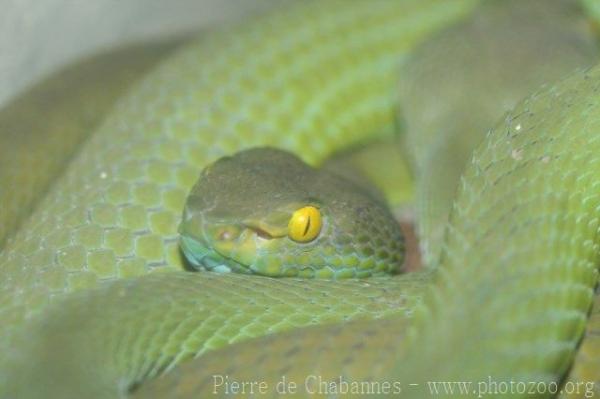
(202, 257)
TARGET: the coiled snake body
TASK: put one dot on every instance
(512, 289)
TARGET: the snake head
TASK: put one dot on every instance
(264, 211)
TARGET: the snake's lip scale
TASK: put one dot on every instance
(202, 257)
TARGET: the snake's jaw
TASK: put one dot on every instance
(201, 257)
(224, 248)
(220, 257)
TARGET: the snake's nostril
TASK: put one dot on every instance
(226, 233)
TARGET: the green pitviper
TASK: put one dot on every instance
(94, 301)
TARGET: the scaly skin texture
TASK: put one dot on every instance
(511, 298)
(444, 124)
(503, 305)
(448, 107)
(318, 67)
(57, 115)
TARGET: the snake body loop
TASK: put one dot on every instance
(94, 300)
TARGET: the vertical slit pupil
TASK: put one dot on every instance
(307, 226)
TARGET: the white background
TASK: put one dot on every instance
(39, 36)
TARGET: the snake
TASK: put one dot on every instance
(96, 299)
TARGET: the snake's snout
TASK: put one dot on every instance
(209, 243)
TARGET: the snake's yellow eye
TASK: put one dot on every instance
(305, 224)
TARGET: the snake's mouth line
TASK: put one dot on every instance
(203, 257)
